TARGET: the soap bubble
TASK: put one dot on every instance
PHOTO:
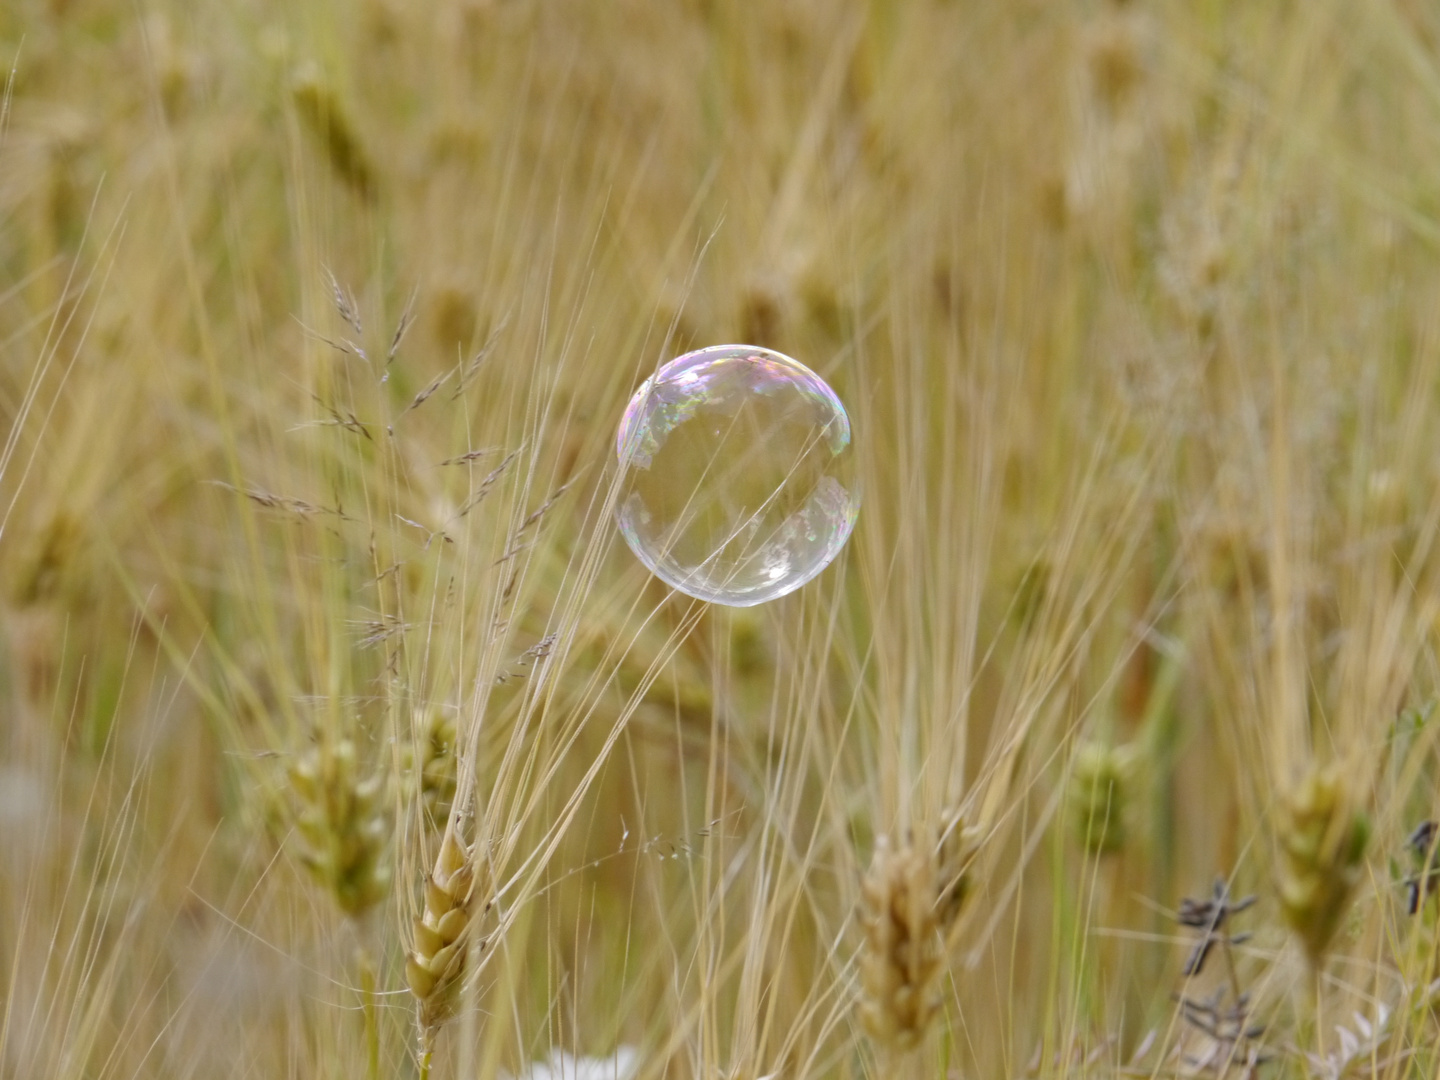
(738, 474)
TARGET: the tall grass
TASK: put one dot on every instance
(342, 737)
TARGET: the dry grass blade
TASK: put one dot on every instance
(476, 361)
(8, 96)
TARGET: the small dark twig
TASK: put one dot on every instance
(1209, 917)
(472, 455)
(1231, 1029)
(343, 418)
(1426, 877)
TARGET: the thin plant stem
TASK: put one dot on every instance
(1230, 966)
(366, 965)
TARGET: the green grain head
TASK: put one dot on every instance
(1322, 836)
(341, 828)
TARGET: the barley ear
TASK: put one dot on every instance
(1322, 842)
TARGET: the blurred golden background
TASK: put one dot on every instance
(316, 320)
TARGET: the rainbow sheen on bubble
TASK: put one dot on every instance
(738, 474)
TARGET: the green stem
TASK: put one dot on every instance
(372, 1019)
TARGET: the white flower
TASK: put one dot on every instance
(621, 1065)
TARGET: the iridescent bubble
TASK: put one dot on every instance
(738, 480)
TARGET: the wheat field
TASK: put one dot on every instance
(340, 733)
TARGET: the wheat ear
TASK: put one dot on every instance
(342, 830)
(435, 965)
(911, 899)
(1322, 842)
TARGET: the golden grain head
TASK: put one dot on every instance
(442, 935)
(956, 850)
(431, 765)
(911, 900)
